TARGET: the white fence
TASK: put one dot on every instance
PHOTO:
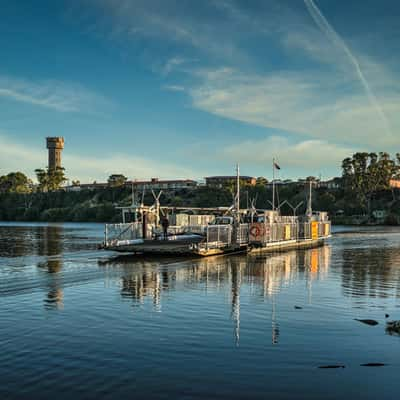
(134, 230)
(242, 234)
(218, 236)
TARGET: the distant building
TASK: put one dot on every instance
(86, 186)
(331, 184)
(55, 146)
(279, 182)
(153, 184)
(394, 183)
(159, 184)
(220, 181)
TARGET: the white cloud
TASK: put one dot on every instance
(192, 25)
(272, 68)
(337, 40)
(174, 88)
(57, 95)
(316, 91)
(16, 156)
(306, 154)
(318, 105)
(172, 63)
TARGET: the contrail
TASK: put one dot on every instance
(325, 27)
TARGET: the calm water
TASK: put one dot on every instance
(80, 323)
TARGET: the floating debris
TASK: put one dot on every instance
(298, 308)
(371, 322)
(332, 366)
(372, 365)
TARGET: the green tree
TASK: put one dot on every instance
(116, 180)
(50, 179)
(43, 179)
(261, 181)
(365, 174)
(15, 182)
(326, 202)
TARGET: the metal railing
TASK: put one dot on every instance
(282, 231)
(114, 233)
(224, 235)
(242, 234)
(218, 236)
(129, 231)
(180, 229)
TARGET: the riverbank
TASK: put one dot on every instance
(100, 205)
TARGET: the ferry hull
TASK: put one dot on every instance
(190, 248)
(155, 247)
(288, 245)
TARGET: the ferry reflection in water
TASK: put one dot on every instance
(265, 275)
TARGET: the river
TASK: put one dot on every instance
(77, 322)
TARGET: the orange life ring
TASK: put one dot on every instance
(256, 230)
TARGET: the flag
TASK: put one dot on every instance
(276, 166)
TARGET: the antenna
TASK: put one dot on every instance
(294, 208)
(253, 209)
(157, 199)
(282, 204)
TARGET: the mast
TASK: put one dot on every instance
(309, 203)
(237, 192)
(273, 184)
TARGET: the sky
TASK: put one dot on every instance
(187, 89)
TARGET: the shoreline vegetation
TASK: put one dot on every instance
(364, 195)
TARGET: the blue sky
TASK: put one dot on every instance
(187, 89)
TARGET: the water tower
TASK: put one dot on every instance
(55, 146)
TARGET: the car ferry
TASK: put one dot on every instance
(211, 231)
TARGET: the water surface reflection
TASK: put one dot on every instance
(371, 272)
(219, 327)
(265, 276)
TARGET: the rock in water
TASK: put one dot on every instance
(386, 315)
(393, 326)
(371, 322)
(372, 365)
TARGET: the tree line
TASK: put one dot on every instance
(49, 180)
(363, 187)
(366, 175)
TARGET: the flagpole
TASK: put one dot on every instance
(273, 184)
(237, 191)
